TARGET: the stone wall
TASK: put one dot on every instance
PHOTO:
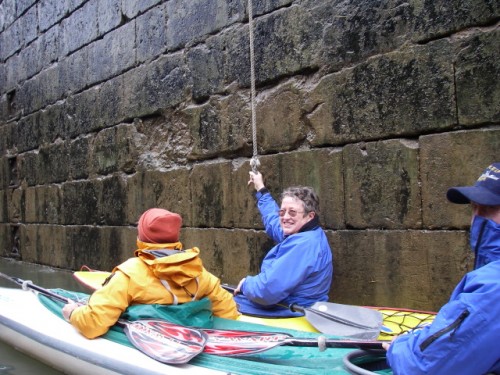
(110, 107)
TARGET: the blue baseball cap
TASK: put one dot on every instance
(486, 190)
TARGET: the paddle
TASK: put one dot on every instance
(237, 343)
(160, 340)
(338, 319)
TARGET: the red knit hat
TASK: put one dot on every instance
(157, 225)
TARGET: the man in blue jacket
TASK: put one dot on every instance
(463, 339)
(299, 269)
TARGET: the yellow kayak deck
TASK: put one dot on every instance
(396, 320)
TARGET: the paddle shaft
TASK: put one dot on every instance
(232, 342)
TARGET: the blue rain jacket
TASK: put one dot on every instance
(463, 339)
(298, 270)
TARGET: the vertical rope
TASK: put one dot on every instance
(254, 163)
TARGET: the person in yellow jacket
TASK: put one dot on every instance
(160, 273)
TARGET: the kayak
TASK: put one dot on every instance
(33, 324)
(395, 320)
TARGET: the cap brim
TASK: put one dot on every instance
(476, 194)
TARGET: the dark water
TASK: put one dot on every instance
(12, 362)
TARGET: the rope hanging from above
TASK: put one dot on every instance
(254, 162)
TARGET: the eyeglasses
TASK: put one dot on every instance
(291, 213)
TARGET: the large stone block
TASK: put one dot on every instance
(191, 21)
(478, 79)
(45, 244)
(50, 12)
(405, 92)
(113, 150)
(4, 213)
(28, 168)
(158, 85)
(221, 127)
(165, 189)
(81, 202)
(280, 119)
(112, 55)
(229, 254)
(80, 27)
(453, 159)
(112, 208)
(211, 188)
(79, 157)
(15, 205)
(98, 247)
(151, 34)
(109, 13)
(382, 185)
(82, 112)
(411, 269)
(130, 9)
(43, 204)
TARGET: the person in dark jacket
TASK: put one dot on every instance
(299, 269)
(463, 338)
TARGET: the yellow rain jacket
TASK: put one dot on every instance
(159, 274)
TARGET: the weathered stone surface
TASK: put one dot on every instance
(401, 93)
(162, 84)
(109, 13)
(43, 204)
(112, 55)
(453, 159)
(151, 33)
(412, 269)
(229, 254)
(383, 190)
(211, 195)
(113, 150)
(78, 160)
(162, 142)
(192, 21)
(280, 121)
(4, 215)
(81, 203)
(478, 79)
(220, 128)
(15, 205)
(165, 189)
(5, 239)
(80, 27)
(130, 9)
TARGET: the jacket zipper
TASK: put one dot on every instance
(453, 326)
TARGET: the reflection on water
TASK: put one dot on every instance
(13, 362)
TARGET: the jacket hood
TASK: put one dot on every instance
(485, 241)
(171, 263)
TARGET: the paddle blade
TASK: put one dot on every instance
(163, 341)
(345, 320)
(233, 343)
